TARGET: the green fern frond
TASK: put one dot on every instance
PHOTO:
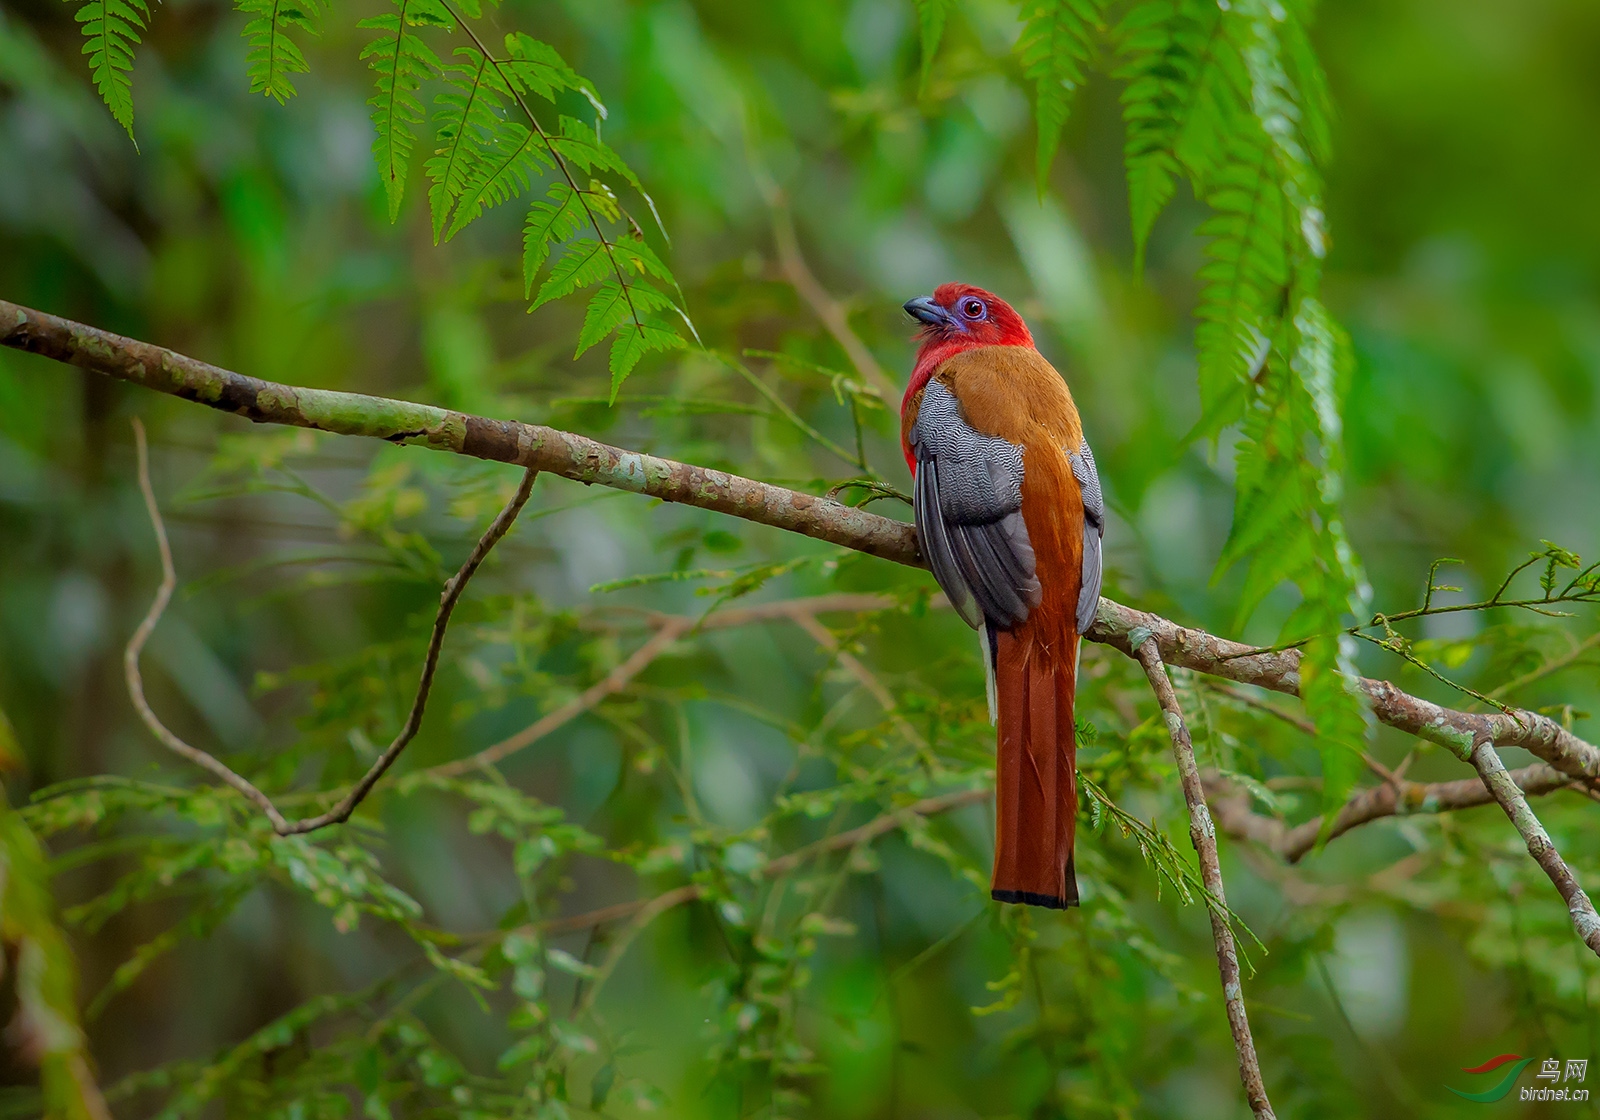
(634, 340)
(507, 168)
(273, 56)
(110, 31)
(585, 263)
(482, 159)
(466, 113)
(1307, 76)
(538, 68)
(549, 223)
(1054, 49)
(613, 306)
(632, 253)
(582, 147)
(1167, 55)
(1245, 278)
(401, 60)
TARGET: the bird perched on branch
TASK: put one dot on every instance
(1010, 518)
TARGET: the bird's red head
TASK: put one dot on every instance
(959, 317)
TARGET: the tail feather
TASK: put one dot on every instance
(1035, 775)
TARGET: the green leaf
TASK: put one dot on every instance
(582, 147)
(1175, 82)
(507, 170)
(613, 305)
(607, 310)
(273, 56)
(536, 67)
(401, 61)
(467, 121)
(1246, 274)
(1054, 49)
(633, 342)
(110, 30)
(584, 264)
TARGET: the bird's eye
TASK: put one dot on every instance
(972, 309)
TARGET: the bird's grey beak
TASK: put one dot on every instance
(924, 310)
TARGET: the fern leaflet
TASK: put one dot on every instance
(110, 30)
(1054, 49)
(401, 60)
(548, 223)
(273, 56)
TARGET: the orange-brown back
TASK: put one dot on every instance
(1014, 393)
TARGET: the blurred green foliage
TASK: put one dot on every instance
(406, 964)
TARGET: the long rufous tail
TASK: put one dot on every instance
(1036, 777)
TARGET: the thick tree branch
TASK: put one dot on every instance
(1203, 835)
(504, 441)
(1126, 629)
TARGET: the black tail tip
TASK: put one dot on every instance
(1031, 898)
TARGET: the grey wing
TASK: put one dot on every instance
(967, 499)
(1094, 528)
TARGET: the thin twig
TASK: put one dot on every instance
(1540, 847)
(1204, 837)
(823, 305)
(130, 655)
(804, 281)
(789, 414)
(825, 638)
(447, 604)
(340, 813)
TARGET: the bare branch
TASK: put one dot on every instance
(823, 306)
(1119, 626)
(130, 655)
(340, 813)
(447, 604)
(1204, 837)
(504, 441)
